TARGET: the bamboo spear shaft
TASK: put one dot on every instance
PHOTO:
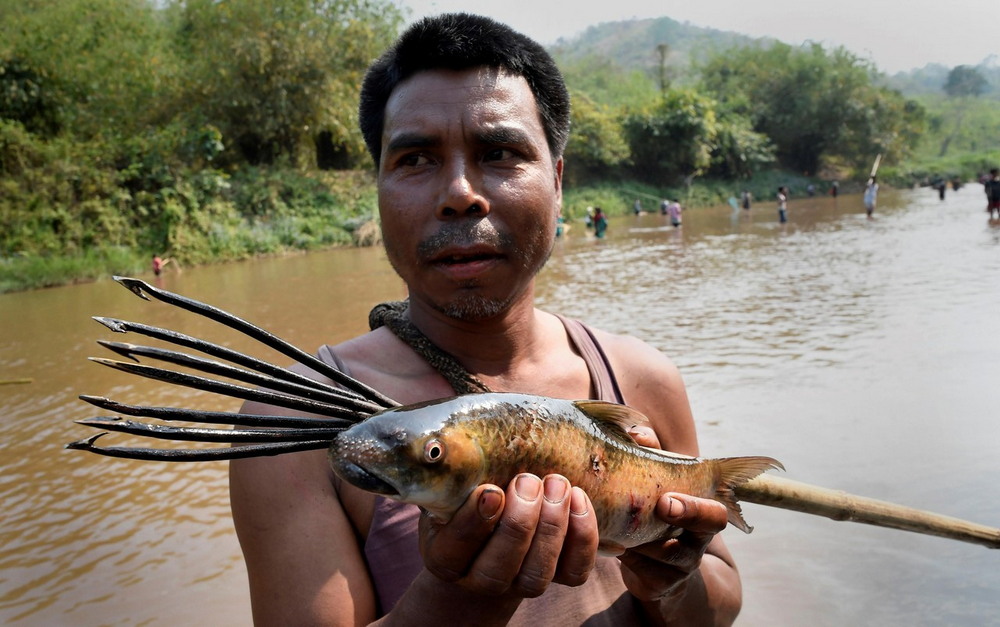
(878, 161)
(841, 506)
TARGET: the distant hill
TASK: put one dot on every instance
(633, 44)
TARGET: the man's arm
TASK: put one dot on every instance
(303, 560)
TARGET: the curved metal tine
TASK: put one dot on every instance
(137, 287)
(215, 350)
(195, 434)
(346, 401)
(219, 417)
(229, 389)
(196, 455)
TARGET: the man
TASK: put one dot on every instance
(466, 121)
(992, 186)
(871, 196)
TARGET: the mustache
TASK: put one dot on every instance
(465, 233)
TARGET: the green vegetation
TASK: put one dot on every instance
(207, 131)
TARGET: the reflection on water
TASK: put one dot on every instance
(862, 353)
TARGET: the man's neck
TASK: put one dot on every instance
(493, 347)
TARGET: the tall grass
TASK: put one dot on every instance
(32, 271)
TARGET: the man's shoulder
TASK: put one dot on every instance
(383, 361)
(632, 357)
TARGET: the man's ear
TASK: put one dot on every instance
(558, 169)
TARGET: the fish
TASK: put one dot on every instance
(434, 455)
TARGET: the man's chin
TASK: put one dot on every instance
(474, 308)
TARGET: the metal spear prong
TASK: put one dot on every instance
(236, 357)
(140, 288)
(327, 394)
(220, 417)
(201, 434)
(278, 399)
(196, 455)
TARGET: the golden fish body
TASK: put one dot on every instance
(434, 455)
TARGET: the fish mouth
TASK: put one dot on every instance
(360, 477)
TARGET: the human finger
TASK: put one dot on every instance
(499, 563)
(450, 548)
(644, 435)
(579, 552)
(539, 565)
(692, 513)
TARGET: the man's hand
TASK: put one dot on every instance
(652, 571)
(518, 541)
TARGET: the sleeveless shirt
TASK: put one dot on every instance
(394, 560)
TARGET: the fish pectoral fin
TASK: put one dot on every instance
(613, 419)
(734, 472)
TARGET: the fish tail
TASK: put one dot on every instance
(734, 472)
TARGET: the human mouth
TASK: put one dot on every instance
(466, 263)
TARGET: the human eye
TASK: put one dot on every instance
(499, 154)
(413, 160)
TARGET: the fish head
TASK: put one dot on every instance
(415, 455)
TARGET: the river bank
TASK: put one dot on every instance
(282, 213)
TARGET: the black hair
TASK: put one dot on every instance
(460, 41)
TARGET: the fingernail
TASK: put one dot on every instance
(528, 487)
(578, 503)
(675, 508)
(556, 489)
(490, 502)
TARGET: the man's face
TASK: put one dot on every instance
(468, 191)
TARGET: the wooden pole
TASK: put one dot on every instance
(878, 161)
(841, 506)
(15, 381)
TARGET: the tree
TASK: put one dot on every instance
(276, 76)
(964, 83)
(739, 151)
(812, 103)
(964, 80)
(98, 64)
(672, 140)
(597, 145)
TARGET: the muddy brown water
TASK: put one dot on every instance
(865, 354)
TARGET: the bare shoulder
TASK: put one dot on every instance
(652, 384)
(383, 361)
(638, 365)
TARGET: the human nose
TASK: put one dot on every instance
(461, 195)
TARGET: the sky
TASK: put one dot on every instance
(897, 35)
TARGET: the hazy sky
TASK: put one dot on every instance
(895, 34)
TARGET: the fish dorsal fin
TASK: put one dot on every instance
(612, 419)
(615, 420)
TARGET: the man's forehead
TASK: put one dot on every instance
(481, 97)
(440, 82)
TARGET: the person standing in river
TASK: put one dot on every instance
(782, 204)
(992, 186)
(871, 196)
(466, 121)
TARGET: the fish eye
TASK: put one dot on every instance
(433, 451)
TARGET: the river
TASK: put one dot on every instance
(864, 354)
